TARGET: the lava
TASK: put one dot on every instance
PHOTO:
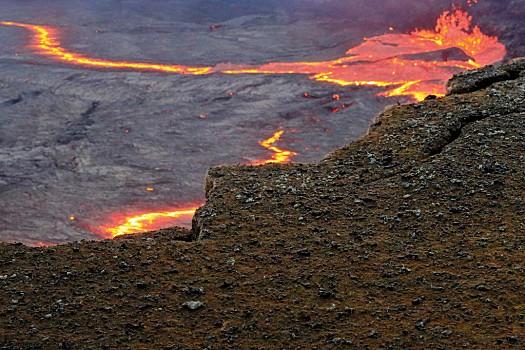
(416, 65)
(280, 155)
(399, 62)
(147, 221)
(46, 42)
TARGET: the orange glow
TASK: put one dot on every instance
(147, 221)
(454, 29)
(46, 41)
(280, 156)
(395, 62)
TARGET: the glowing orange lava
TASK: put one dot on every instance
(280, 156)
(148, 221)
(417, 64)
(46, 42)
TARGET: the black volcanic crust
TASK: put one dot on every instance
(410, 238)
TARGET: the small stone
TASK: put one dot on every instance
(446, 332)
(194, 290)
(373, 334)
(141, 285)
(513, 339)
(341, 341)
(404, 270)
(193, 305)
(134, 326)
(326, 294)
(332, 307)
(303, 252)
(226, 284)
(482, 288)
(417, 301)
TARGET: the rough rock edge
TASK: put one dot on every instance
(462, 83)
(475, 80)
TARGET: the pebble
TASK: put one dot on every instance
(193, 305)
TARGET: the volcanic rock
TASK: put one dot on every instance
(410, 237)
(193, 305)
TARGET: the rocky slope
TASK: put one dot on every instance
(410, 238)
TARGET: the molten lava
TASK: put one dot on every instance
(46, 42)
(417, 64)
(398, 62)
(148, 221)
(280, 156)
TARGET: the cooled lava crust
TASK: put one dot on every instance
(410, 238)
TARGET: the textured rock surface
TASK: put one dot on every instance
(83, 143)
(411, 237)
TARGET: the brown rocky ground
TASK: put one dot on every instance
(411, 238)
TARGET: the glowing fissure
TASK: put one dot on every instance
(280, 155)
(398, 63)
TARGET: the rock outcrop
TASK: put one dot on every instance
(411, 237)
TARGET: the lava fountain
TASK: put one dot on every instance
(417, 64)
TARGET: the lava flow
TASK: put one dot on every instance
(280, 156)
(148, 221)
(46, 42)
(417, 64)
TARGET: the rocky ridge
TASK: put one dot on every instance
(409, 238)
